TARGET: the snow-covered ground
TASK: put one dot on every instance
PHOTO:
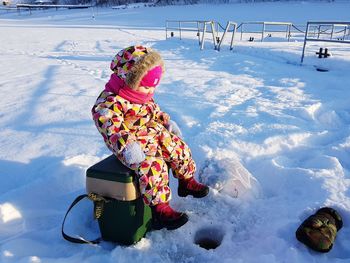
(287, 124)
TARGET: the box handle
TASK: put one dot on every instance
(79, 240)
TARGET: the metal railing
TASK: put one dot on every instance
(326, 31)
(336, 32)
(265, 28)
(8, 9)
(230, 24)
(199, 27)
(39, 6)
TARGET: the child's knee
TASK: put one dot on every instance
(153, 166)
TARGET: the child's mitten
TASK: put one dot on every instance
(174, 128)
(133, 153)
(319, 231)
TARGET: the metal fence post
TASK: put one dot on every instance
(332, 31)
(198, 33)
(204, 30)
(166, 29)
(213, 33)
(180, 29)
(288, 31)
(305, 38)
(233, 35)
(263, 32)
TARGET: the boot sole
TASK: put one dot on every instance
(194, 194)
(156, 225)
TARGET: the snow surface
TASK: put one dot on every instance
(255, 107)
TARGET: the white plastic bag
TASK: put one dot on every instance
(229, 176)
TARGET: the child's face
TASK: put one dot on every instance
(146, 90)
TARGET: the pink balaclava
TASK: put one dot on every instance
(152, 78)
(133, 67)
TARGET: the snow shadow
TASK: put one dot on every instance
(35, 197)
(42, 112)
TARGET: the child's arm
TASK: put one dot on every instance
(161, 116)
(164, 118)
(109, 120)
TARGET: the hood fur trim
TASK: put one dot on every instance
(142, 66)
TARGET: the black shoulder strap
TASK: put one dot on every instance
(79, 240)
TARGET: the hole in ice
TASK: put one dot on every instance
(209, 237)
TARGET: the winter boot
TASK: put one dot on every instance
(164, 216)
(192, 187)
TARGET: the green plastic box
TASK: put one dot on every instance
(125, 219)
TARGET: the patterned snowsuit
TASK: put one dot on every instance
(121, 122)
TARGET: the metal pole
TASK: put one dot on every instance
(204, 30)
(290, 32)
(241, 30)
(224, 34)
(166, 29)
(332, 31)
(180, 29)
(345, 32)
(306, 34)
(233, 35)
(213, 33)
(198, 33)
(262, 33)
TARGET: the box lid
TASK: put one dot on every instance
(111, 169)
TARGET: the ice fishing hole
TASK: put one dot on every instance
(209, 237)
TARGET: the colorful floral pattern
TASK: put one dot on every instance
(121, 122)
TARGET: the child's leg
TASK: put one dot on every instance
(177, 153)
(154, 181)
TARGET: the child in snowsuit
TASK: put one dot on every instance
(142, 136)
